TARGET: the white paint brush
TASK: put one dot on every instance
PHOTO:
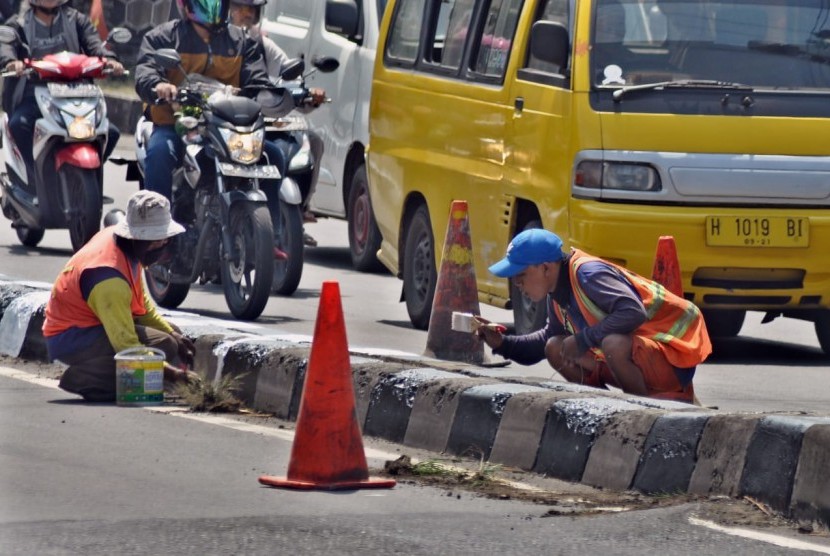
(468, 322)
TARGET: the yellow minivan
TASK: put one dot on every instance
(611, 123)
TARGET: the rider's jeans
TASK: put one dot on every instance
(22, 127)
(164, 154)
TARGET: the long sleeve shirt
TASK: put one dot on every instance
(605, 287)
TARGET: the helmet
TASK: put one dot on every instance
(254, 4)
(210, 13)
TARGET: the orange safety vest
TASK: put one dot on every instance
(67, 307)
(674, 323)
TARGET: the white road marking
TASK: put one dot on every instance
(759, 536)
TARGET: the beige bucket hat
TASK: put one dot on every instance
(148, 218)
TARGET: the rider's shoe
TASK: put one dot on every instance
(309, 241)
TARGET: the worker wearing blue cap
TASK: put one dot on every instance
(606, 326)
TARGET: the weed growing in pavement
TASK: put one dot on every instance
(213, 397)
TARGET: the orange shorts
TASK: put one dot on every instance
(660, 376)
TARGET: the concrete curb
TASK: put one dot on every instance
(566, 431)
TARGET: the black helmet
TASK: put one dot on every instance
(254, 4)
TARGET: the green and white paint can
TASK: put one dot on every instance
(139, 376)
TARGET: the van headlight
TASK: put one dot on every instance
(244, 148)
(625, 176)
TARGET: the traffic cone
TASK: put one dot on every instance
(327, 453)
(667, 267)
(456, 290)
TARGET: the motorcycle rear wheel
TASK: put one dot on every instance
(249, 269)
(287, 273)
(85, 196)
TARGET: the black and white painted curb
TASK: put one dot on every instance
(566, 431)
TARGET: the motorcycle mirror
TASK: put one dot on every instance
(326, 64)
(275, 102)
(168, 58)
(7, 35)
(292, 69)
(120, 35)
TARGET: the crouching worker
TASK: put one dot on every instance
(606, 326)
(99, 307)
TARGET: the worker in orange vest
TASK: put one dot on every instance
(606, 326)
(99, 307)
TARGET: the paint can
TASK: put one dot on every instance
(139, 376)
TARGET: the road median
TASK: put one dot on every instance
(567, 431)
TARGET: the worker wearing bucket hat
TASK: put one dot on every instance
(605, 324)
(98, 306)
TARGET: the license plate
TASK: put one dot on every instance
(239, 171)
(757, 231)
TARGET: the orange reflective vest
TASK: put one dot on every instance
(674, 323)
(67, 307)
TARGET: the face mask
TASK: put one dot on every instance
(148, 258)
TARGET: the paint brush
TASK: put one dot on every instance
(468, 322)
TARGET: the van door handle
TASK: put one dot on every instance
(518, 106)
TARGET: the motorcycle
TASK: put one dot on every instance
(298, 184)
(65, 187)
(216, 196)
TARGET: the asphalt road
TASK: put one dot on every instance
(77, 478)
(772, 367)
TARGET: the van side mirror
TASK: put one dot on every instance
(342, 17)
(549, 42)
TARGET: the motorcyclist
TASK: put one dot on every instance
(46, 27)
(210, 47)
(248, 15)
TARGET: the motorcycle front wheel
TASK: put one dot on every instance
(86, 203)
(29, 237)
(287, 272)
(166, 293)
(249, 269)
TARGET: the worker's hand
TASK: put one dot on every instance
(116, 67)
(17, 67)
(318, 96)
(570, 350)
(166, 92)
(492, 336)
(186, 347)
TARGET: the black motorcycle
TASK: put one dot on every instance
(216, 196)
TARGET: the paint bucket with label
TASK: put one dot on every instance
(139, 376)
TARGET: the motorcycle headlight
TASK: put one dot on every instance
(80, 127)
(302, 159)
(245, 148)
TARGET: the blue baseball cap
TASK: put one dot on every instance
(534, 246)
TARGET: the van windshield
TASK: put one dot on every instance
(779, 44)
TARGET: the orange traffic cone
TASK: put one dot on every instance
(456, 290)
(667, 267)
(328, 451)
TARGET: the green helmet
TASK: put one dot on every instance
(210, 13)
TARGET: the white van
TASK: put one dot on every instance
(346, 30)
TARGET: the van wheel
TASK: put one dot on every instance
(822, 324)
(527, 315)
(723, 323)
(419, 274)
(364, 235)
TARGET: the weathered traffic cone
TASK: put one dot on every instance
(667, 272)
(327, 452)
(456, 290)
(667, 267)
